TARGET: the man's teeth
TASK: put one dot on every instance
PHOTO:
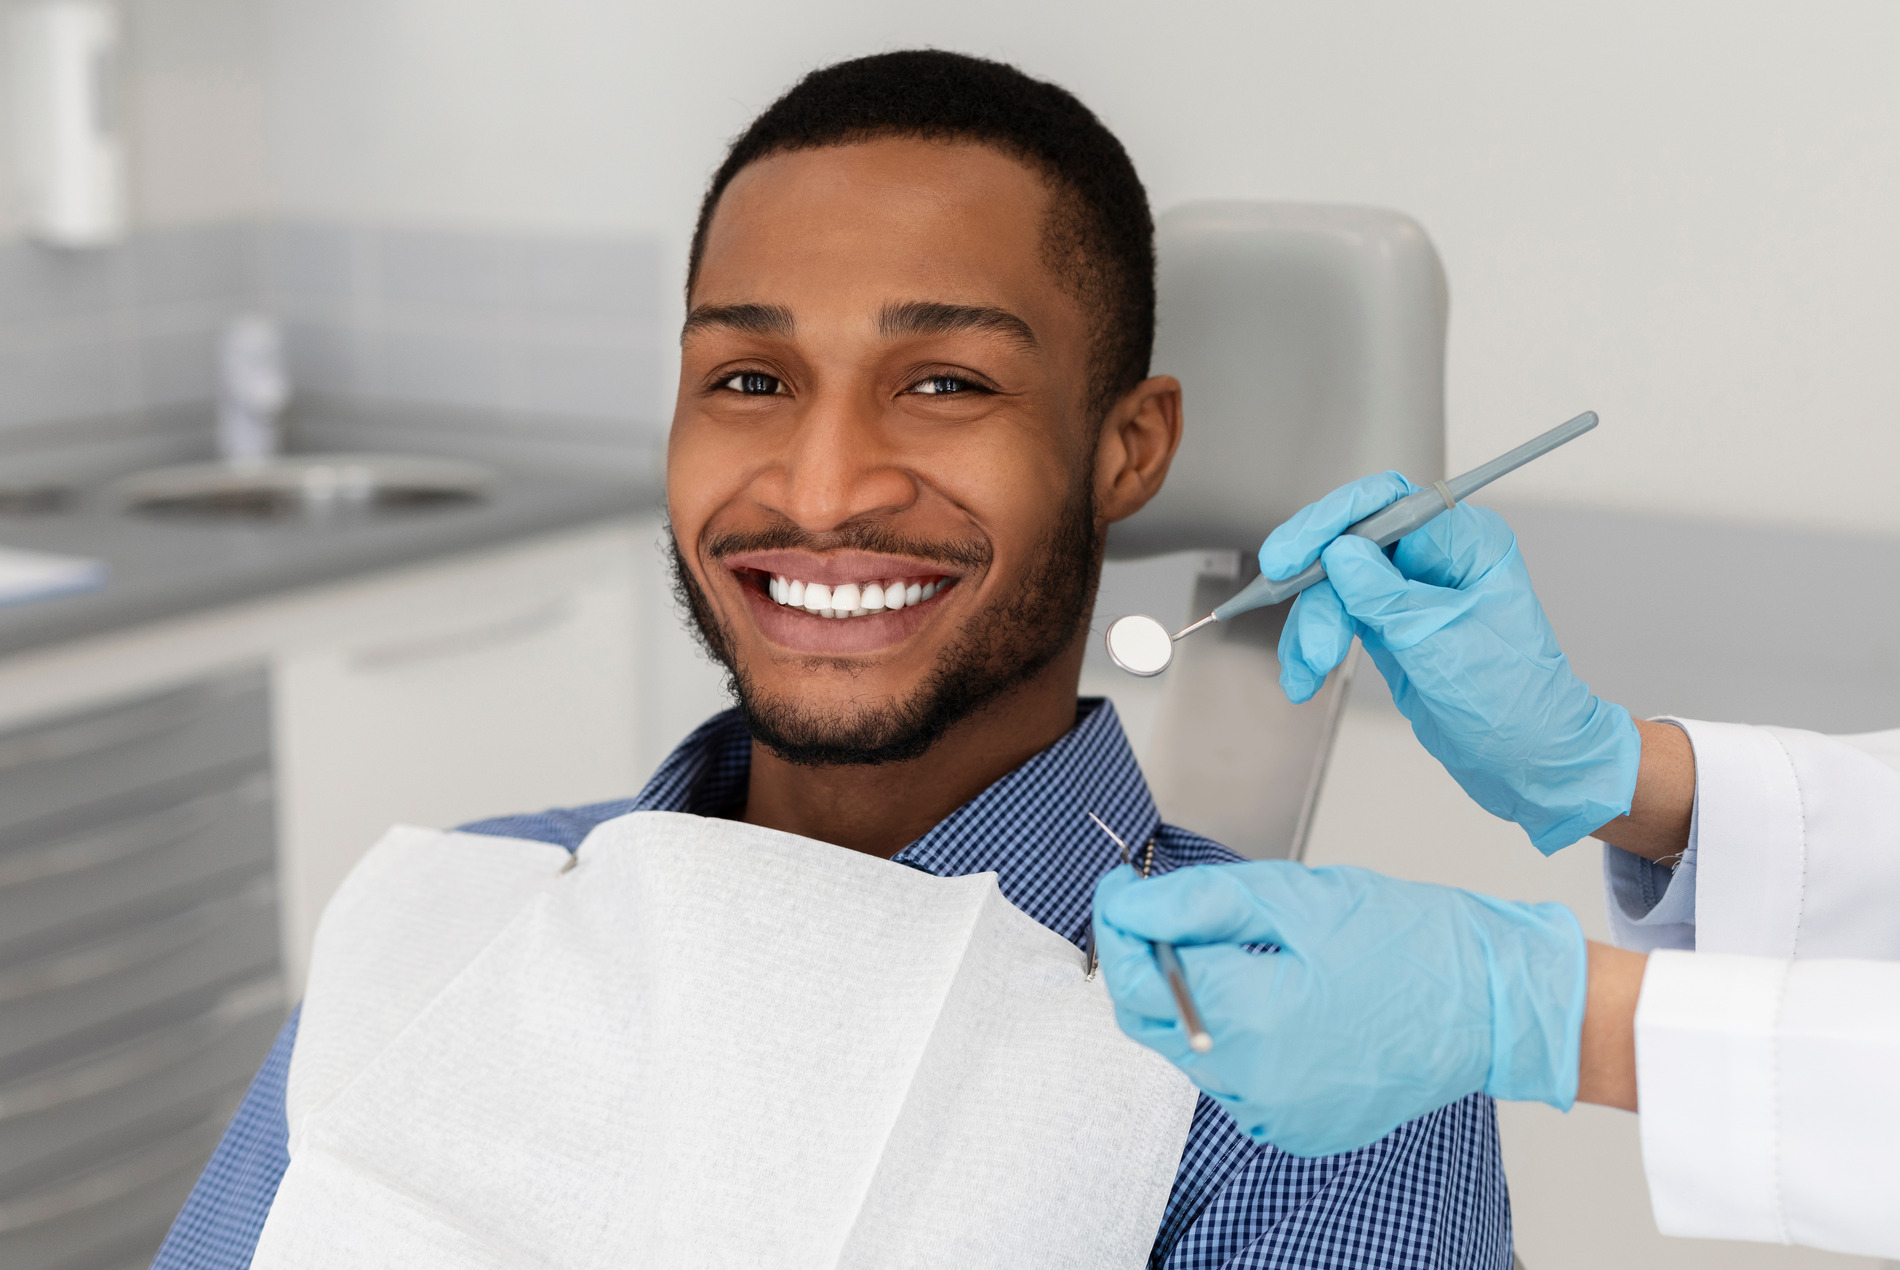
(850, 599)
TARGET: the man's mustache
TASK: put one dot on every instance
(968, 555)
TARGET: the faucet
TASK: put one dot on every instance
(253, 388)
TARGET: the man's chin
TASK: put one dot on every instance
(825, 737)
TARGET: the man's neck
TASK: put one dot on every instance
(882, 809)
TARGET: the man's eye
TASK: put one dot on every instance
(753, 383)
(943, 384)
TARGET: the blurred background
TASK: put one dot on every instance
(447, 237)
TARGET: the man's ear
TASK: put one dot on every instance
(1139, 438)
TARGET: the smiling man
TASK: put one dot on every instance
(914, 393)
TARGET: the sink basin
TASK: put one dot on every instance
(305, 485)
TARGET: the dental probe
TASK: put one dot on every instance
(1142, 646)
(1198, 1039)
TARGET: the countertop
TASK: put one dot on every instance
(1745, 622)
(1751, 623)
(162, 567)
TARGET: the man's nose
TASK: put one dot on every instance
(839, 465)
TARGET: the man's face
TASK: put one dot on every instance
(882, 384)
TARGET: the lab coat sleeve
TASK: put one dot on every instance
(1794, 850)
(1766, 1063)
(1770, 1101)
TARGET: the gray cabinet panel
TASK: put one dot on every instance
(71, 993)
(113, 1215)
(140, 974)
(129, 870)
(64, 767)
(72, 1116)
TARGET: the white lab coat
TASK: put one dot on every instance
(1768, 1057)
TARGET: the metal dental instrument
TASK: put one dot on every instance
(1142, 646)
(1198, 1039)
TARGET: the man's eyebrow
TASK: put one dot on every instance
(747, 319)
(928, 317)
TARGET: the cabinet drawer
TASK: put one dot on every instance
(72, 887)
(69, 1118)
(64, 766)
(116, 1214)
(64, 999)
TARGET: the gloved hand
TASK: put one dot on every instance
(1386, 1001)
(1452, 623)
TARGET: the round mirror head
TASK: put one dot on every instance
(1140, 645)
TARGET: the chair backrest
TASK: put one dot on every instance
(1310, 344)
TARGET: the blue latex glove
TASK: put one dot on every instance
(1452, 623)
(1386, 1001)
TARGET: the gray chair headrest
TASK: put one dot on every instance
(1310, 344)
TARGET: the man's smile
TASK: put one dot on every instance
(847, 602)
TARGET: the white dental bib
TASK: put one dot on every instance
(707, 1044)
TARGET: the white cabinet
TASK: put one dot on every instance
(546, 673)
(502, 685)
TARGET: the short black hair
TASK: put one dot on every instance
(1100, 236)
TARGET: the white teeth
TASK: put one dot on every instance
(850, 599)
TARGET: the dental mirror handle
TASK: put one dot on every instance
(1395, 520)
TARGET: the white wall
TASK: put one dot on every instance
(199, 108)
(1679, 215)
(195, 113)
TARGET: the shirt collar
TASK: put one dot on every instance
(1030, 828)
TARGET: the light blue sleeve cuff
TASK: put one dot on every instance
(1650, 906)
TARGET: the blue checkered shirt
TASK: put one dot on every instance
(1430, 1196)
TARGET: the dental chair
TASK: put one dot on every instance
(1310, 345)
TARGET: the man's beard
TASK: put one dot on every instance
(1003, 646)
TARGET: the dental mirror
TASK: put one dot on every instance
(1140, 645)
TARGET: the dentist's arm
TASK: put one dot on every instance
(1454, 626)
(1657, 826)
(1606, 1062)
(1386, 1000)
(1767, 1085)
